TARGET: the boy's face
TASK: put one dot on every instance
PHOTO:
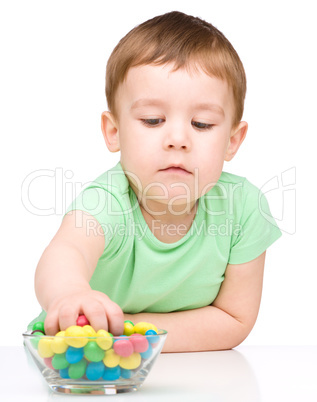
(174, 131)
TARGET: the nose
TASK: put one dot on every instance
(177, 137)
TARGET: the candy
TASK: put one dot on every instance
(152, 339)
(142, 327)
(104, 339)
(38, 326)
(89, 331)
(148, 353)
(120, 337)
(111, 359)
(36, 338)
(123, 347)
(111, 373)
(125, 373)
(82, 320)
(59, 344)
(37, 331)
(74, 355)
(44, 347)
(139, 342)
(48, 362)
(93, 352)
(77, 370)
(131, 362)
(95, 370)
(64, 373)
(75, 336)
(81, 352)
(128, 328)
(59, 361)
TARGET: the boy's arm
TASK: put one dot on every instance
(63, 273)
(224, 324)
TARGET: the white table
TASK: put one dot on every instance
(246, 374)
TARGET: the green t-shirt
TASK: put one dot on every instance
(233, 224)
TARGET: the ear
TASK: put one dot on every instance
(109, 128)
(236, 139)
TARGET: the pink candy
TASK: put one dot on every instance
(48, 362)
(136, 343)
(123, 347)
(139, 342)
(82, 320)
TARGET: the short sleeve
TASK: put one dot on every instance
(257, 227)
(105, 208)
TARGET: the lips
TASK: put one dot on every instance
(180, 169)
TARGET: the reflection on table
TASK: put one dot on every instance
(246, 374)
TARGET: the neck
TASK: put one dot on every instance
(169, 213)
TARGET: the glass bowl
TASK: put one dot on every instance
(94, 365)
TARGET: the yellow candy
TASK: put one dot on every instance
(44, 347)
(58, 344)
(131, 362)
(111, 359)
(128, 329)
(142, 327)
(89, 330)
(104, 339)
(75, 336)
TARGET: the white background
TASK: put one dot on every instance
(53, 59)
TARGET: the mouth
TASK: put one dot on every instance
(177, 169)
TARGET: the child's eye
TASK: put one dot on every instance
(152, 122)
(202, 126)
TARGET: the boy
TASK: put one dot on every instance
(165, 236)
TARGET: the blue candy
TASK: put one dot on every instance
(64, 373)
(125, 373)
(152, 339)
(147, 353)
(74, 355)
(111, 373)
(95, 370)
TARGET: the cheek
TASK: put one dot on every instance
(217, 144)
(212, 154)
(210, 167)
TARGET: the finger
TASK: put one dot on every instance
(96, 315)
(67, 316)
(51, 323)
(115, 318)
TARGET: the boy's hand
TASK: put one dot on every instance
(101, 312)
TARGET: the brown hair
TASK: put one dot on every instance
(183, 40)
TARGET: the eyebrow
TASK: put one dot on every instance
(210, 106)
(146, 102)
(158, 102)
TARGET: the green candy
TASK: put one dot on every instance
(35, 339)
(93, 352)
(38, 326)
(59, 361)
(77, 370)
